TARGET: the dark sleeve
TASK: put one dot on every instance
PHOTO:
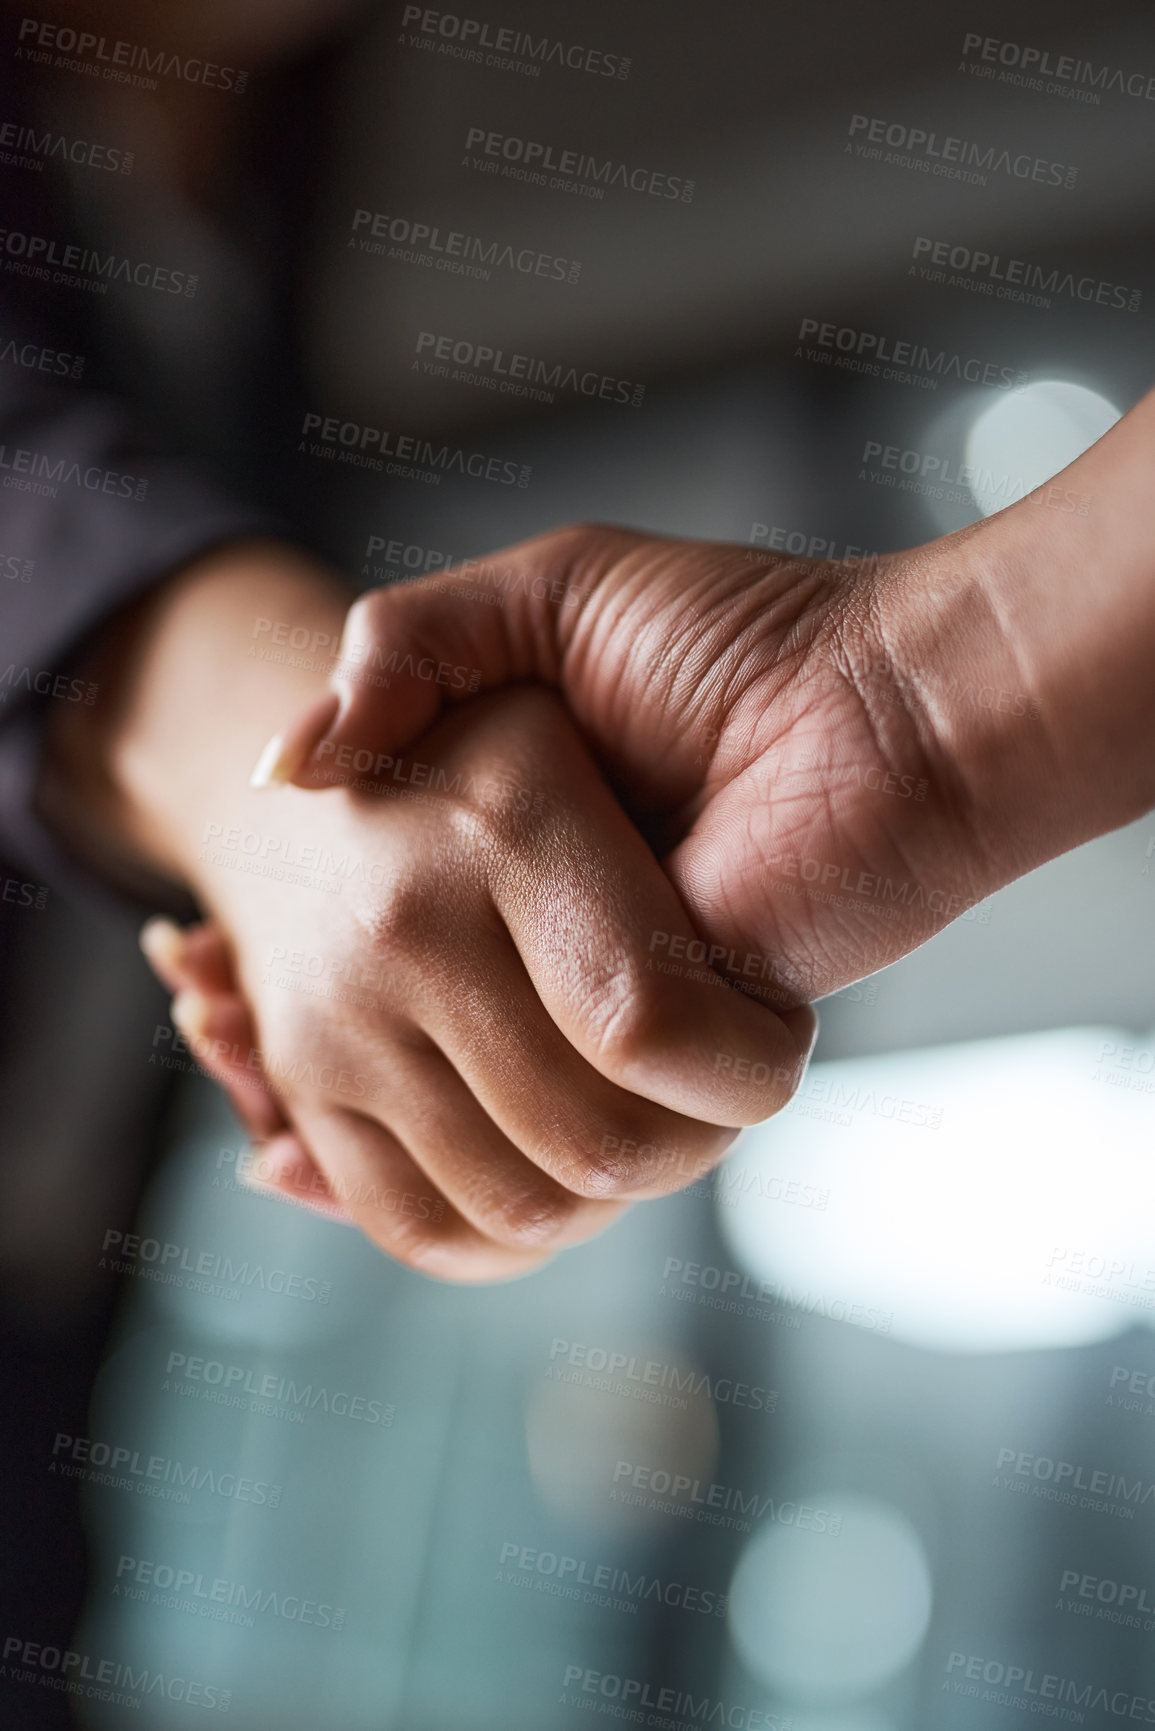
(89, 519)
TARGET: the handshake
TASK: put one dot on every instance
(562, 917)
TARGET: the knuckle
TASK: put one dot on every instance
(494, 828)
(601, 1163)
(651, 1151)
(629, 1022)
(368, 613)
(414, 1243)
(600, 1174)
(671, 1155)
(586, 1161)
(402, 920)
(695, 1154)
(536, 1216)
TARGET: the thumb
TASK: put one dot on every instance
(410, 650)
(403, 655)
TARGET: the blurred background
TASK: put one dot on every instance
(857, 1434)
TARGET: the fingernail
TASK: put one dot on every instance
(275, 765)
(163, 944)
(290, 749)
(283, 1168)
(191, 1011)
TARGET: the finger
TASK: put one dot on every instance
(385, 1192)
(596, 1139)
(410, 650)
(195, 963)
(219, 1032)
(284, 1167)
(488, 1179)
(611, 951)
(196, 956)
(219, 1029)
(284, 754)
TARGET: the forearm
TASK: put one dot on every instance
(1029, 641)
(188, 699)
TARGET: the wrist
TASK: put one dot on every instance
(1027, 643)
(192, 684)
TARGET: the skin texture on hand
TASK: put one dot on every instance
(442, 977)
(208, 1010)
(833, 760)
(752, 718)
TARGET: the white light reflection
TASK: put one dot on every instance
(824, 1622)
(989, 1196)
(1031, 434)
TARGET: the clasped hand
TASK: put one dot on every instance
(471, 1041)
